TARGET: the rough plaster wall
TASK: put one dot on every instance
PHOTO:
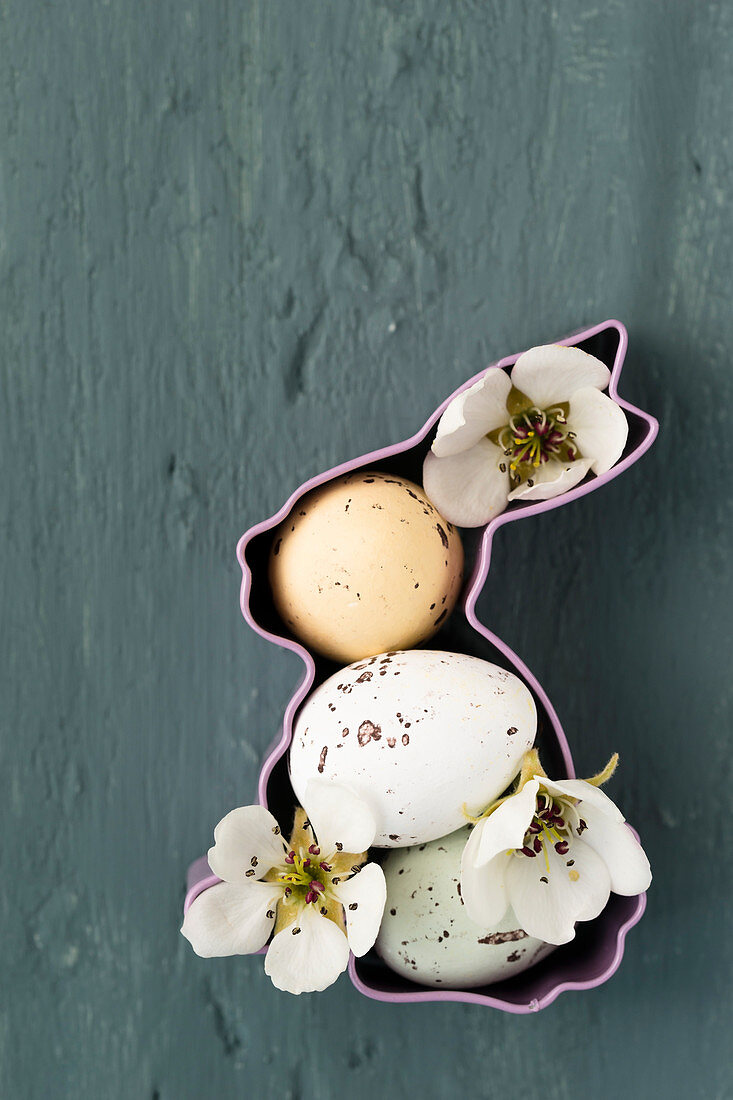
(240, 242)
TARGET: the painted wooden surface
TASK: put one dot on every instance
(240, 242)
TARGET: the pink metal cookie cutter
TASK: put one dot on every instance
(596, 952)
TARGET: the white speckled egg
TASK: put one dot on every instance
(426, 935)
(364, 564)
(416, 734)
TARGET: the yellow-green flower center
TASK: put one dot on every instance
(533, 437)
(550, 827)
(306, 875)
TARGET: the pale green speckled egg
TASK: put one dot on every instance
(426, 935)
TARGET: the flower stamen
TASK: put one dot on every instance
(533, 437)
(548, 828)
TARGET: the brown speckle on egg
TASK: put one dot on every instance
(367, 732)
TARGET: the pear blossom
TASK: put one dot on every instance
(313, 892)
(553, 852)
(528, 435)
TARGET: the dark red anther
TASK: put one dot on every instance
(315, 889)
(314, 850)
(324, 866)
(290, 857)
(527, 852)
(562, 847)
(537, 844)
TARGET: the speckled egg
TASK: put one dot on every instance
(416, 734)
(365, 564)
(426, 935)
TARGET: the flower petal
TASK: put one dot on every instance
(553, 373)
(308, 956)
(552, 479)
(247, 839)
(473, 414)
(338, 816)
(505, 828)
(548, 900)
(619, 849)
(231, 920)
(363, 897)
(584, 792)
(600, 426)
(467, 488)
(483, 889)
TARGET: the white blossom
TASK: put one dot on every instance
(313, 892)
(553, 851)
(529, 435)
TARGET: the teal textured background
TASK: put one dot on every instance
(241, 242)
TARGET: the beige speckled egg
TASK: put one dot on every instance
(365, 564)
(416, 734)
(426, 935)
